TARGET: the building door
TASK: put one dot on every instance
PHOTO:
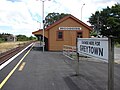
(79, 34)
(46, 43)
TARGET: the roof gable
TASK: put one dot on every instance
(62, 20)
(67, 17)
(37, 31)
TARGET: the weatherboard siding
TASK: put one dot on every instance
(69, 36)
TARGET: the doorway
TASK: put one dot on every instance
(79, 34)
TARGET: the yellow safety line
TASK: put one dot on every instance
(13, 70)
(22, 66)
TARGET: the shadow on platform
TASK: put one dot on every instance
(37, 48)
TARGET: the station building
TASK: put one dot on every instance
(63, 32)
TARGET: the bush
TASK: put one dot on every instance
(2, 40)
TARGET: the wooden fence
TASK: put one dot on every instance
(69, 51)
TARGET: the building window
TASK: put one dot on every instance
(60, 35)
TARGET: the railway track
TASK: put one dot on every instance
(8, 54)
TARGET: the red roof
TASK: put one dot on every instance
(63, 19)
(36, 31)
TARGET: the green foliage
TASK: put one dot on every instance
(93, 33)
(117, 44)
(24, 38)
(117, 40)
(2, 40)
(53, 17)
(3, 37)
(32, 38)
(107, 21)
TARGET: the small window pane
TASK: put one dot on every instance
(60, 35)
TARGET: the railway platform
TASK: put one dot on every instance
(37, 70)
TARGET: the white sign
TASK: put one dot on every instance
(69, 28)
(94, 47)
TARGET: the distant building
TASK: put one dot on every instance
(11, 38)
(64, 32)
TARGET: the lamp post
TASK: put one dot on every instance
(81, 10)
(43, 21)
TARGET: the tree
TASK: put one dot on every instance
(3, 37)
(107, 21)
(25, 38)
(22, 38)
(32, 38)
(2, 40)
(52, 18)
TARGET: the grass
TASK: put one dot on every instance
(117, 45)
(9, 45)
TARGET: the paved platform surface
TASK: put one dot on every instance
(117, 55)
(53, 71)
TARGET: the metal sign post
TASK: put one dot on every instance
(77, 65)
(77, 62)
(111, 63)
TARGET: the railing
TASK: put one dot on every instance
(69, 51)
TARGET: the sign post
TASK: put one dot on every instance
(111, 64)
(102, 48)
(77, 65)
(93, 47)
(77, 62)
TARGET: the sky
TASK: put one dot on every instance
(25, 16)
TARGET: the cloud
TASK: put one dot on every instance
(17, 16)
(74, 7)
(14, 0)
(22, 16)
(95, 5)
